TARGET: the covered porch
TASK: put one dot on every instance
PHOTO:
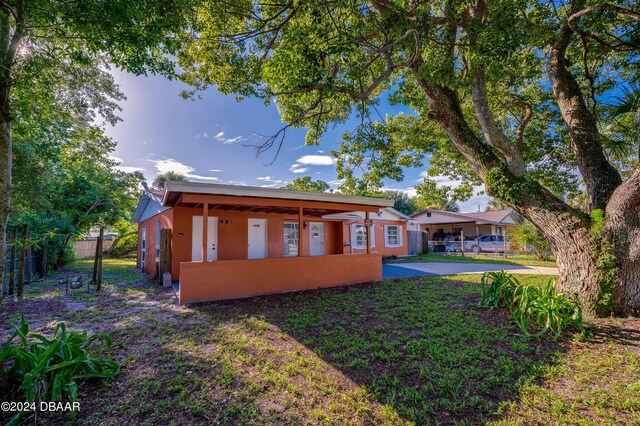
(241, 241)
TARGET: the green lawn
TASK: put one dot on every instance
(512, 259)
(415, 351)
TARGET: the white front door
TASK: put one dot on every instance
(257, 248)
(212, 239)
(316, 239)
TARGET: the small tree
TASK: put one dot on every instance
(161, 180)
(527, 238)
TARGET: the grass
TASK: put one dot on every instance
(415, 351)
(512, 259)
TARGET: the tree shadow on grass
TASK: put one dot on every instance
(420, 347)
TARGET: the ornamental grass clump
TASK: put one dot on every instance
(38, 369)
(531, 305)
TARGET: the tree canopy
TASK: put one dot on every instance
(305, 183)
(512, 94)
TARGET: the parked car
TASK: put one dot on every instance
(486, 243)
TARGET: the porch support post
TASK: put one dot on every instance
(367, 227)
(205, 231)
(300, 230)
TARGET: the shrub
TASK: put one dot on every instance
(542, 306)
(48, 370)
(497, 289)
(549, 310)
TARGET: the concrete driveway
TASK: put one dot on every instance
(404, 270)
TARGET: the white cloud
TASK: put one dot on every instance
(126, 169)
(316, 160)
(297, 168)
(270, 180)
(130, 169)
(215, 170)
(170, 165)
(227, 141)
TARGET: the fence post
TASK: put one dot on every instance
(12, 266)
(99, 262)
(21, 261)
(45, 253)
(462, 244)
(505, 245)
(29, 262)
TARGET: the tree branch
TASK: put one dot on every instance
(528, 114)
(495, 135)
(603, 6)
(600, 177)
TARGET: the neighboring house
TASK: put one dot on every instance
(263, 240)
(439, 222)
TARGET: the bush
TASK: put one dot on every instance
(542, 306)
(497, 289)
(48, 370)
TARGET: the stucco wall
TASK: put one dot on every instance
(231, 279)
(166, 221)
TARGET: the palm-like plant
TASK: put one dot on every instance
(527, 238)
(622, 132)
(161, 180)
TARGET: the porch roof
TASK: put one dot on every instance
(268, 200)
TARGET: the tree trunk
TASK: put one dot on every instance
(622, 232)
(12, 260)
(115, 242)
(6, 189)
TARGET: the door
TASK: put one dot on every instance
(143, 255)
(212, 239)
(257, 247)
(316, 239)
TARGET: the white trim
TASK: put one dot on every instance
(386, 236)
(284, 227)
(354, 236)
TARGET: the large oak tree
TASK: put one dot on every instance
(516, 87)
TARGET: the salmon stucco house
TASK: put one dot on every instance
(236, 241)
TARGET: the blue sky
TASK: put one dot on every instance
(205, 139)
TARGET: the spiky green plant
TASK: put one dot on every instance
(48, 369)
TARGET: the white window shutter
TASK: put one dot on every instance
(373, 235)
(386, 236)
(400, 236)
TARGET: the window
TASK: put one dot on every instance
(359, 236)
(393, 236)
(291, 239)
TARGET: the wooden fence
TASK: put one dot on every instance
(418, 242)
